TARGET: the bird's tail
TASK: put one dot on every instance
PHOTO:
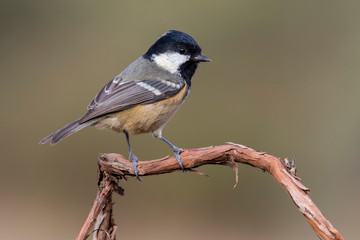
(66, 131)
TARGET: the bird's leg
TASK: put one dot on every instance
(132, 157)
(176, 150)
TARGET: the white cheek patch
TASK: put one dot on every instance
(170, 61)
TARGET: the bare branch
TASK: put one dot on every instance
(115, 165)
(105, 228)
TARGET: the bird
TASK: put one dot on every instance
(145, 96)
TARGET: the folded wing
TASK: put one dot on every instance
(117, 95)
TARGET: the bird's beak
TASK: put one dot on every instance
(201, 58)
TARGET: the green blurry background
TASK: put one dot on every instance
(284, 79)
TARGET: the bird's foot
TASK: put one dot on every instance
(177, 152)
(134, 159)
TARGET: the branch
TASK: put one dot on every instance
(115, 165)
(101, 210)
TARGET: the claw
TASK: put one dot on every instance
(134, 159)
(177, 152)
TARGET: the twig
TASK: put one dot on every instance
(115, 165)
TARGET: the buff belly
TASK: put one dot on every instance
(143, 118)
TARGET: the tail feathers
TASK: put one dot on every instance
(66, 131)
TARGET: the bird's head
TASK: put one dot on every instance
(177, 53)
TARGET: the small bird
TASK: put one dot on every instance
(144, 97)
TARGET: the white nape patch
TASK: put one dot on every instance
(170, 61)
(150, 88)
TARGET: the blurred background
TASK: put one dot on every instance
(284, 79)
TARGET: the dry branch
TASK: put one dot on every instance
(101, 210)
(115, 165)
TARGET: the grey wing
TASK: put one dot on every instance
(113, 98)
(104, 92)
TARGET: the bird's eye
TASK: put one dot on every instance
(182, 51)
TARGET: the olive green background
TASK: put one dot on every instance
(284, 79)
